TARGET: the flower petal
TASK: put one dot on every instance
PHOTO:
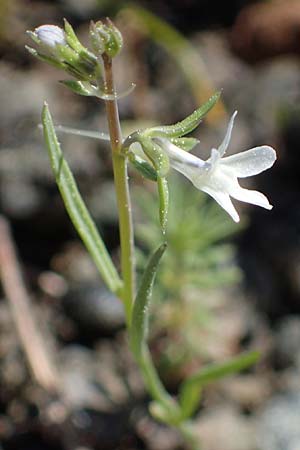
(223, 147)
(251, 162)
(224, 201)
(182, 161)
(249, 196)
(214, 157)
(179, 155)
(50, 35)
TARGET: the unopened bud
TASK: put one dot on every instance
(50, 35)
(106, 38)
(62, 49)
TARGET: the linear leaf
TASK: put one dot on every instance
(76, 208)
(190, 390)
(140, 313)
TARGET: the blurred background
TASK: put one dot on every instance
(222, 288)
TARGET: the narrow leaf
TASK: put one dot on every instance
(189, 394)
(140, 313)
(163, 193)
(188, 124)
(76, 208)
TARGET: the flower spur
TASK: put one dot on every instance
(218, 176)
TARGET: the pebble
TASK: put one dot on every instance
(95, 309)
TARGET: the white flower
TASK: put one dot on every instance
(218, 176)
(50, 35)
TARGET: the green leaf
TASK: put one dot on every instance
(78, 87)
(143, 166)
(185, 143)
(190, 390)
(140, 313)
(76, 208)
(157, 156)
(163, 194)
(188, 124)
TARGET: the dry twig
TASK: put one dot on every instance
(33, 343)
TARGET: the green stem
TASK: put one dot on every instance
(155, 386)
(187, 432)
(171, 412)
(122, 191)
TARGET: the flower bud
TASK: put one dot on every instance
(61, 48)
(106, 38)
(50, 35)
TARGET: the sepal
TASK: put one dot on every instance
(143, 166)
(156, 155)
(163, 194)
(185, 143)
(71, 38)
(188, 124)
(47, 59)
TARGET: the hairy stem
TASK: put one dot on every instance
(122, 191)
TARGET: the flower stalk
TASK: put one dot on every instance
(122, 191)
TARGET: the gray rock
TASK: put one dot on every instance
(279, 423)
(95, 309)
